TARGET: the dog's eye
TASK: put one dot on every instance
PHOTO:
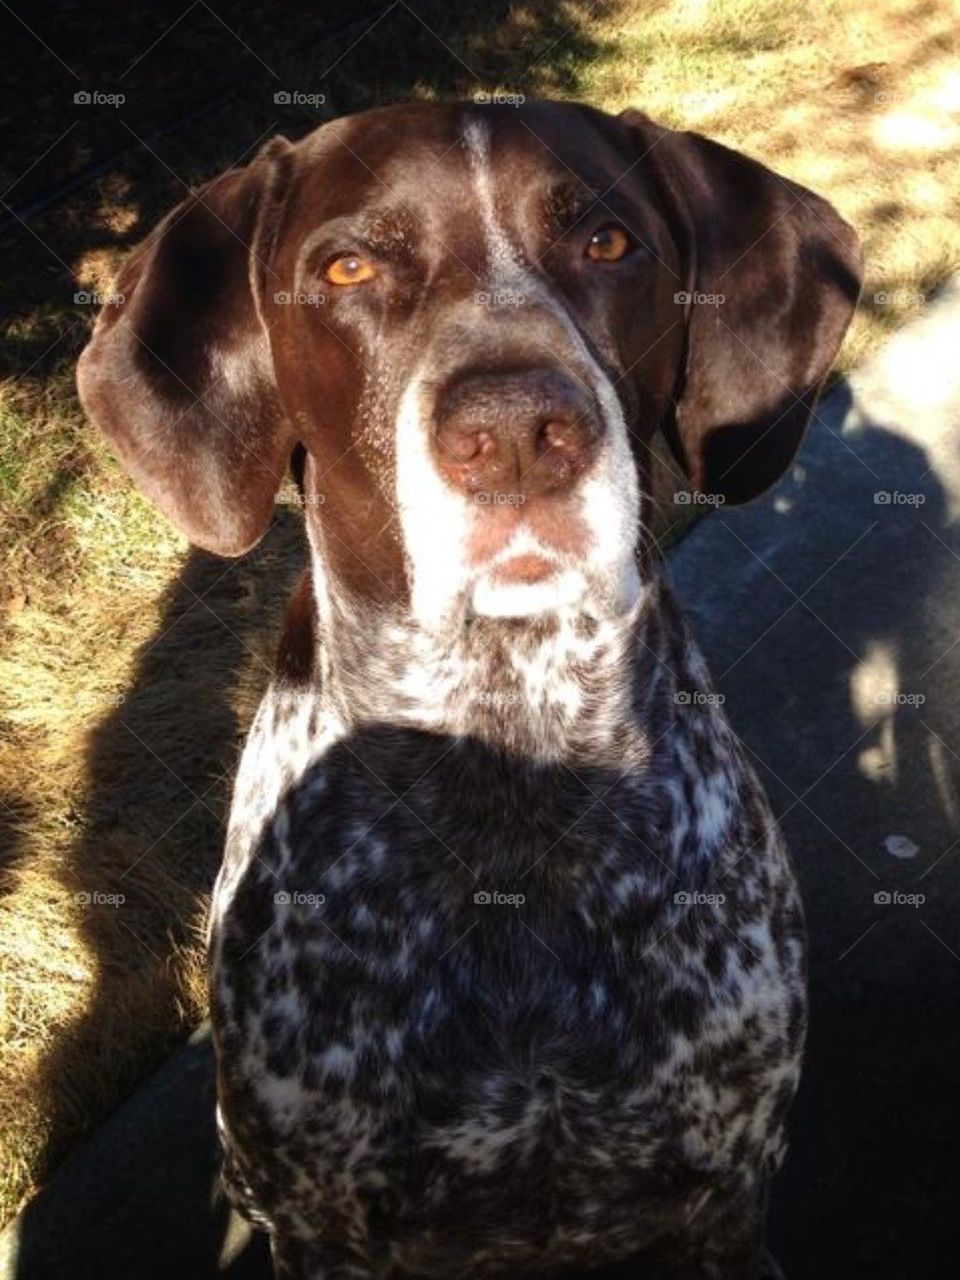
(609, 244)
(351, 268)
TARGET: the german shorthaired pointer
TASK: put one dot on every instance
(507, 953)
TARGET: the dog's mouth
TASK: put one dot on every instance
(525, 544)
(525, 567)
(523, 572)
(529, 557)
(525, 538)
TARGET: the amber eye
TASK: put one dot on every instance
(350, 269)
(609, 244)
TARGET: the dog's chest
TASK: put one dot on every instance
(473, 976)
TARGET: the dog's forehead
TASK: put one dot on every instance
(437, 161)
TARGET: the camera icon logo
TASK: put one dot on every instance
(682, 298)
(282, 97)
(82, 96)
(281, 899)
(882, 898)
(482, 898)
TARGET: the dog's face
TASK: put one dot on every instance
(495, 311)
(473, 319)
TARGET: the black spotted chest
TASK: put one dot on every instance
(501, 1058)
(507, 1028)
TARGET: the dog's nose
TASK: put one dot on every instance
(526, 432)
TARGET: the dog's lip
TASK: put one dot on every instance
(525, 566)
(556, 526)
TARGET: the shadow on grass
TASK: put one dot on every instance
(159, 774)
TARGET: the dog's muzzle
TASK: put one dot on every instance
(523, 432)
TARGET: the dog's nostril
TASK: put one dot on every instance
(532, 432)
(568, 437)
(567, 440)
(467, 446)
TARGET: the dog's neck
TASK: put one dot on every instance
(558, 718)
(564, 686)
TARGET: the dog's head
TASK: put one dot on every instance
(472, 319)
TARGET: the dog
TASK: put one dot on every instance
(507, 955)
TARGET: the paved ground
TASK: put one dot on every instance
(827, 613)
(831, 618)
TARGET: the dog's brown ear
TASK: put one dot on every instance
(178, 373)
(773, 277)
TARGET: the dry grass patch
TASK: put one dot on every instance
(127, 691)
(860, 102)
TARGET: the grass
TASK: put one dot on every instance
(131, 665)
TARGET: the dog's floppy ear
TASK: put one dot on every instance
(773, 277)
(179, 374)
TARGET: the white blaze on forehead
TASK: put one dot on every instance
(504, 262)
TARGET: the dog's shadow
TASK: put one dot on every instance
(160, 769)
